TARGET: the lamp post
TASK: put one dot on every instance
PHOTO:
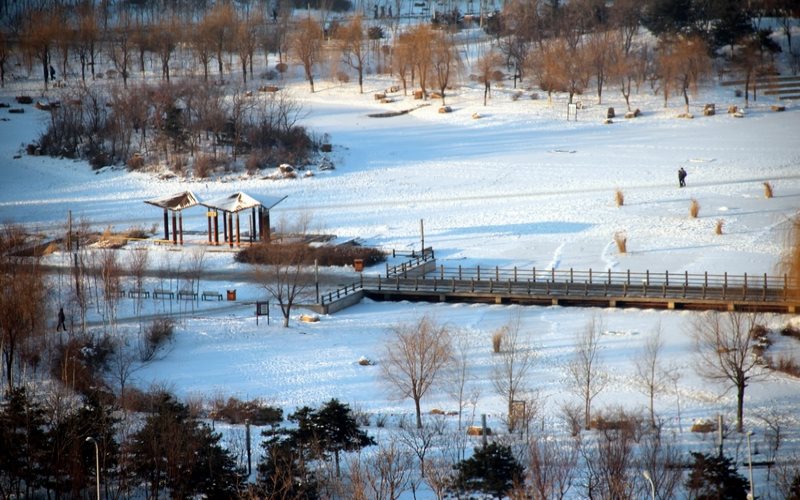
(647, 476)
(90, 439)
(752, 494)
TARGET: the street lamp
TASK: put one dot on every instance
(90, 439)
(752, 494)
(647, 476)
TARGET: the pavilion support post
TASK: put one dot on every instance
(174, 229)
(266, 232)
(253, 234)
(230, 229)
(238, 234)
(224, 227)
(216, 228)
(180, 227)
(166, 225)
(208, 219)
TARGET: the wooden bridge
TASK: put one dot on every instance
(420, 279)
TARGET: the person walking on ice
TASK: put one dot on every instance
(61, 318)
(681, 177)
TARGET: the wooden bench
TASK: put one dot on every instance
(211, 295)
(187, 295)
(138, 292)
(161, 292)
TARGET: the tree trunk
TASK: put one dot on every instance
(739, 406)
(419, 412)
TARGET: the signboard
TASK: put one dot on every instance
(572, 110)
(262, 309)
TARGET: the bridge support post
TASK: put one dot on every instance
(731, 306)
(554, 301)
(671, 305)
(612, 303)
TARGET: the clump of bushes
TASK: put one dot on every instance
(160, 332)
(236, 411)
(301, 253)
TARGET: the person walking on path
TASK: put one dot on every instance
(61, 318)
(681, 177)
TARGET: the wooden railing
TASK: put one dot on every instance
(528, 282)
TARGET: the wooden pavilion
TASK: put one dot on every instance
(235, 204)
(175, 203)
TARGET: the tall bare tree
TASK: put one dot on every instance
(510, 371)
(653, 377)
(351, 44)
(306, 42)
(445, 62)
(121, 47)
(414, 357)
(487, 69)
(552, 467)
(585, 371)
(684, 60)
(725, 347)
(22, 301)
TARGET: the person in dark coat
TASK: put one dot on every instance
(681, 177)
(61, 319)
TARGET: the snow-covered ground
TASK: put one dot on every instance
(518, 186)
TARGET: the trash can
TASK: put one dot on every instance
(358, 264)
(232, 294)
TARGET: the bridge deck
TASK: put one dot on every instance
(422, 280)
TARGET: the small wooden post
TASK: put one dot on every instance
(174, 229)
(238, 233)
(166, 225)
(216, 228)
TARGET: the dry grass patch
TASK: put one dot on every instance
(767, 190)
(718, 227)
(694, 209)
(621, 239)
(619, 198)
(497, 340)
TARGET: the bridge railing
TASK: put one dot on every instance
(608, 277)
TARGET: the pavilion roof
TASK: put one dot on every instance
(240, 201)
(178, 201)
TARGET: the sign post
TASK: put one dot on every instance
(262, 309)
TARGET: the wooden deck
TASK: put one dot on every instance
(421, 280)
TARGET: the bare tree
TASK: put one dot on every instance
(445, 62)
(284, 274)
(414, 358)
(599, 47)
(653, 377)
(121, 47)
(387, 472)
(138, 260)
(306, 41)
(420, 440)
(684, 60)
(351, 44)
(110, 274)
(552, 466)
(487, 70)
(725, 347)
(5, 55)
(587, 378)
(460, 376)
(510, 369)
(22, 300)
(658, 456)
